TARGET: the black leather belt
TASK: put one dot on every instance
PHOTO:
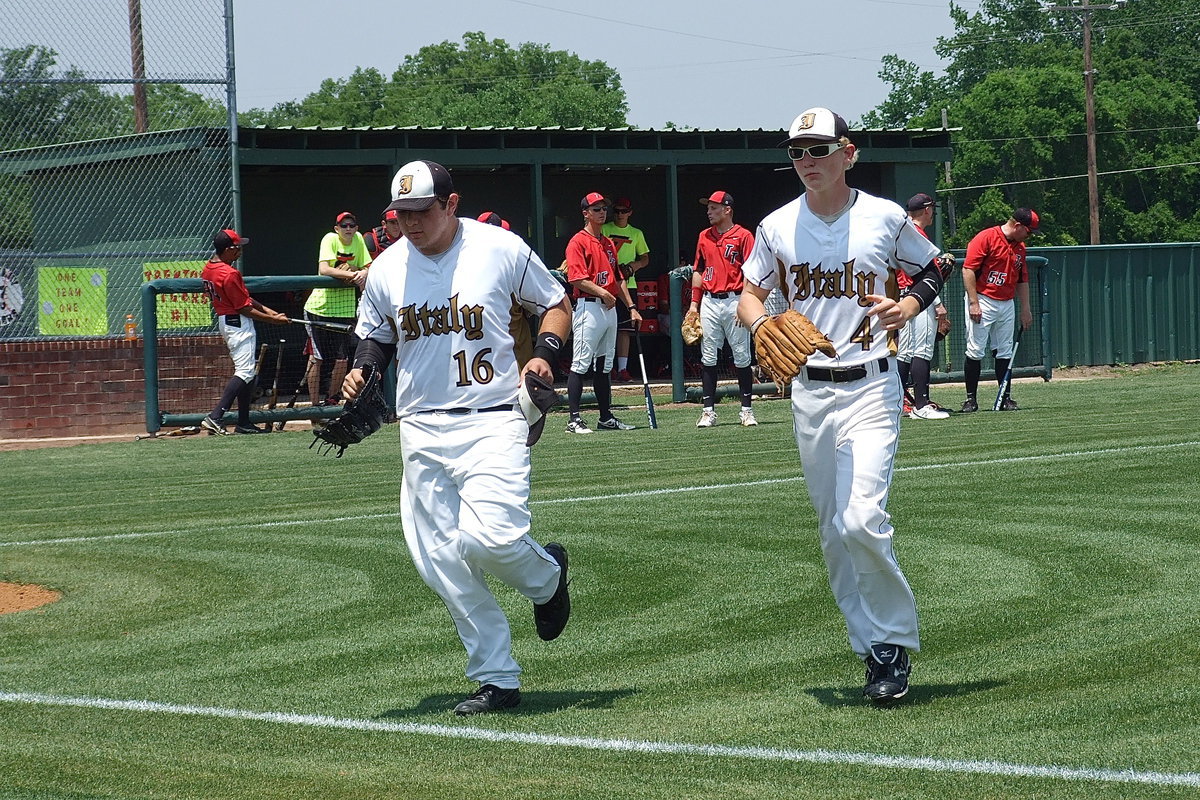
(590, 299)
(722, 295)
(463, 410)
(843, 375)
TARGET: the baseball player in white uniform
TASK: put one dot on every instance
(439, 301)
(833, 251)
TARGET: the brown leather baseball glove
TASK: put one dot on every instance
(691, 330)
(784, 343)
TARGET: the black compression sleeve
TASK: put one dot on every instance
(370, 351)
(926, 285)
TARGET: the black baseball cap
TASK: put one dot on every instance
(228, 238)
(1027, 217)
(919, 201)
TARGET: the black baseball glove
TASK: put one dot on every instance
(362, 416)
(537, 397)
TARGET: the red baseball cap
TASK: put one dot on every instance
(590, 199)
(345, 215)
(228, 238)
(723, 198)
(492, 218)
(391, 215)
(623, 202)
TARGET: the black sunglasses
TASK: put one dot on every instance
(816, 151)
(347, 224)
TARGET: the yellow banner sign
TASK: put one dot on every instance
(190, 310)
(72, 302)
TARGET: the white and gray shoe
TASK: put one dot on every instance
(746, 417)
(613, 424)
(707, 419)
(578, 426)
(928, 411)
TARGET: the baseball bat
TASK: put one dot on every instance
(301, 386)
(336, 327)
(275, 380)
(258, 365)
(645, 382)
(1004, 384)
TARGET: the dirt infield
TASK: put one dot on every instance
(16, 597)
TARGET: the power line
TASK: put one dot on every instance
(1066, 177)
(1068, 135)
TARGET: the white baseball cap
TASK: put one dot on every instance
(417, 184)
(819, 124)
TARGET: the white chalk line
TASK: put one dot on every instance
(711, 487)
(623, 745)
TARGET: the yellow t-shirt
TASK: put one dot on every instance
(631, 245)
(339, 302)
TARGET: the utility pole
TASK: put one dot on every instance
(950, 181)
(138, 56)
(1084, 10)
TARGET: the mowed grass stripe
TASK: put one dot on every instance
(630, 495)
(919, 763)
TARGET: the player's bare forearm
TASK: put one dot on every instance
(751, 304)
(258, 311)
(1026, 312)
(555, 324)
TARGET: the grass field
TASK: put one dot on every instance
(240, 618)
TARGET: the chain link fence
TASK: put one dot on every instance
(116, 161)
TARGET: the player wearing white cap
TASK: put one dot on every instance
(439, 301)
(833, 251)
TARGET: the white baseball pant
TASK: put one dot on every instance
(718, 320)
(919, 337)
(847, 435)
(994, 331)
(594, 332)
(464, 506)
(241, 340)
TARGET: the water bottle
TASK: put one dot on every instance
(130, 328)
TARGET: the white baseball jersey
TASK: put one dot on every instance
(811, 260)
(450, 323)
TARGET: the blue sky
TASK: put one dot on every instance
(706, 64)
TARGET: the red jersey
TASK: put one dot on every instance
(998, 264)
(719, 258)
(903, 279)
(594, 259)
(225, 286)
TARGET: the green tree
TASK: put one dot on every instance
(1013, 86)
(479, 83)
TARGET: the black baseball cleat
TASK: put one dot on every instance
(248, 429)
(213, 427)
(551, 616)
(489, 698)
(887, 673)
(1008, 404)
(969, 406)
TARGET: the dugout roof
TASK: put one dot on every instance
(534, 177)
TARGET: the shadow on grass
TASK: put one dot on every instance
(531, 703)
(918, 694)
